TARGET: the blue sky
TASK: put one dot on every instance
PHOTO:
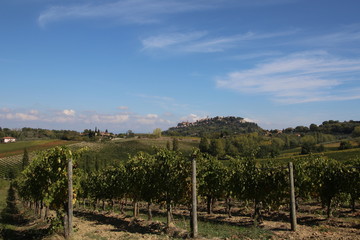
(144, 64)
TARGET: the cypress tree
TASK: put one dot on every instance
(175, 144)
(25, 159)
(204, 145)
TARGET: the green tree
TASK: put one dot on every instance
(356, 132)
(313, 127)
(168, 146)
(308, 144)
(175, 144)
(157, 132)
(247, 145)
(345, 145)
(204, 145)
(25, 159)
(217, 147)
(230, 148)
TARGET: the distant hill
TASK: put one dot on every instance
(217, 125)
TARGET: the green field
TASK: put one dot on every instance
(111, 153)
(11, 153)
(10, 149)
(340, 155)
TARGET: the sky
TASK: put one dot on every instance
(144, 64)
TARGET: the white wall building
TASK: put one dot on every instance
(7, 139)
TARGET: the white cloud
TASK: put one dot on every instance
(345, 35)
(123, 108)
(256, 55)
(192, 118)
(152, 119)
(57, 119)
(19, 116)
(301, 77)
(34, 112)
(165, 40)
(199, 41)
(251, 120)
(152, 116)
(117, 118)
(125, 11)
(69, 112)
(5, 110)
(141, 11)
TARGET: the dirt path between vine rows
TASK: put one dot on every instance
(98, 225)
(95, 225)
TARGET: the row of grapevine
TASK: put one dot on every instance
(44, 182)
(164, 178)
(330, 181)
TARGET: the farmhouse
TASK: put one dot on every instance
(7, 139)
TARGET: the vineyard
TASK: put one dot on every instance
(157, 186)
(11, 154)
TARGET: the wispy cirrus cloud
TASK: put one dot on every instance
(200, 41)
(166, 40)
(125, 11)
(142, 11)
(256, 55)
(298, 78)
(340, 36)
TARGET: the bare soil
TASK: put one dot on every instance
(312, 224)
(103, 225)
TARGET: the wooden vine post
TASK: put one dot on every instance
(69, 224)
(194, 223)
(292, 197)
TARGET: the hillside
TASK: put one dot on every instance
(217, 125)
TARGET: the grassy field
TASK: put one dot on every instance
(10, 149)
(331, 151)
(111, 153)
(120, 150)
(11, 153)
(340, 155)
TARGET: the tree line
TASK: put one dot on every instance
(259, 146)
